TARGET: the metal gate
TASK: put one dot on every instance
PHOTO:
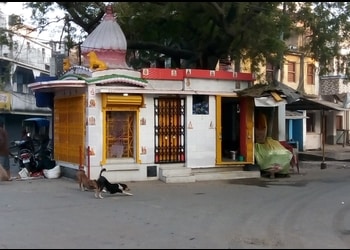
(169, 127)
(69, 129)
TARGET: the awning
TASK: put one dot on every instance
(293, 115)
(271, 95)
(268, 101)
(313, 104)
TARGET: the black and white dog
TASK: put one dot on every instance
(112, 188)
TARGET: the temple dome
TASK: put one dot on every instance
(108, 41)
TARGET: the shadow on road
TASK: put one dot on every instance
(330, 175)
(267, 182)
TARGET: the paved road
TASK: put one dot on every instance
(307, 210)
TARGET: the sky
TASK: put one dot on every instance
(17, 8)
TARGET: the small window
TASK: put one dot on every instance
(200, 105)
(310, 74)
(269, 72)
(291, 72)
(339, 122)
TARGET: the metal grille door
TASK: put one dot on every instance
(169, 130)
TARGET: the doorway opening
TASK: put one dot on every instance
(230, 122)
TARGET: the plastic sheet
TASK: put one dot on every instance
(273, 155)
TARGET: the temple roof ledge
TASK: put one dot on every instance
(126, 72)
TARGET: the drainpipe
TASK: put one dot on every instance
(323, 163)
(88, 162)
(81, 167)
(346, 127)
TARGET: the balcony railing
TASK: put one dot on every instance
(32, 57)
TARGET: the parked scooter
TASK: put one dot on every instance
(26, 154)
(35, 149)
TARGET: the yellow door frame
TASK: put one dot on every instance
(218, 131)
(246, 136)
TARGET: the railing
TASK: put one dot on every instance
(343, 137)
(30, 56)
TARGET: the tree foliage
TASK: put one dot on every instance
(196, 35)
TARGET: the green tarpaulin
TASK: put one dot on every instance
(273, 155)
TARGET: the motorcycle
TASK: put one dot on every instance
(25, 157)
(35, 149)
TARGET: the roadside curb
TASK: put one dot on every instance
(317, 164)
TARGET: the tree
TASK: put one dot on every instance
(199, 33)
(327, 26)
(196, 35)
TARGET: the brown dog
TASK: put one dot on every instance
(84, 182)
(3, 174)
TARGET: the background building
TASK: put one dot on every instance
(22, 59)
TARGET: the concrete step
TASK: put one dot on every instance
(175, 171)
(226, 175)
(177, 179)
(216, 169)
(175, 174)
(178, 174)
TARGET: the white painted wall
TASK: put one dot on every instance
(201, 136)
(94, 138)
(147, 131)
(312, 141)
(200, 129)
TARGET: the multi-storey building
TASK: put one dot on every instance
(313, 127)
(22, 59)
